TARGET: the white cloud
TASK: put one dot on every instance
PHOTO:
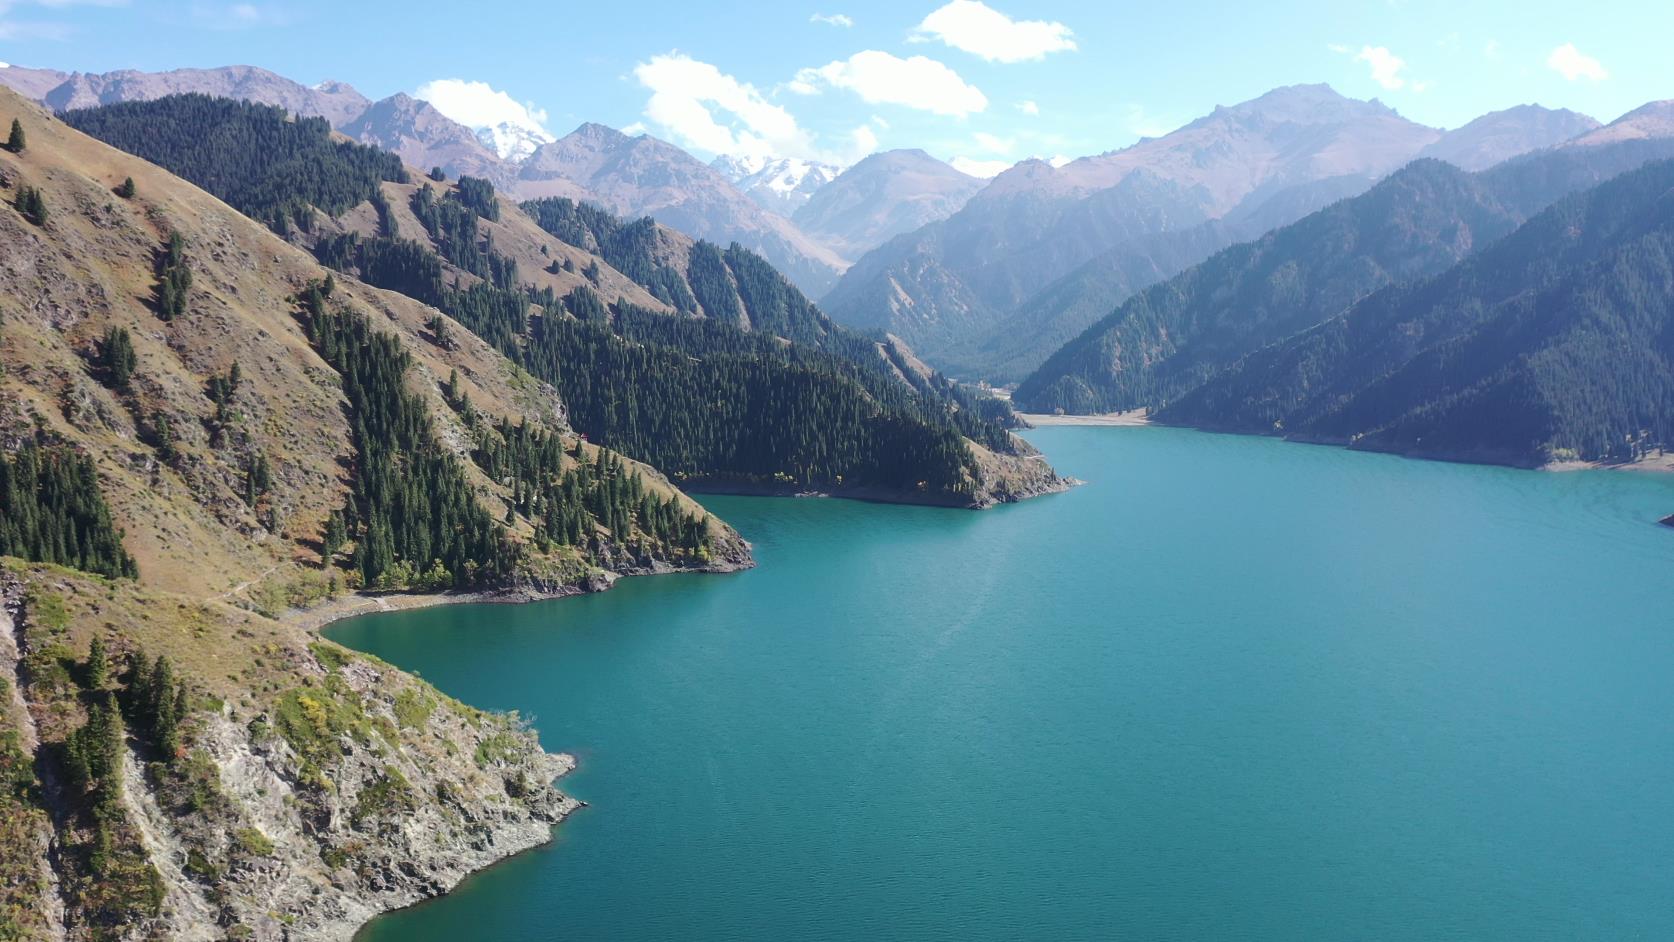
(1058, 160)
(1028, 107)
(994, 144)
(1491, 50)
(1386, 66)
(832, 19)
(702, 107)
(881, 78)
(979, 29)
(1572, 64)
(637, 129)
(980, 168)
(863, 141)
(479, 105)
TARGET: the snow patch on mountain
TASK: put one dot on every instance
(513, 142)
(779, 184)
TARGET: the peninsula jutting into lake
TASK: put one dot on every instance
(1084, 475)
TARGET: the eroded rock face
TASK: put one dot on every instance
(311, 788)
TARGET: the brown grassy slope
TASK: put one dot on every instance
(515, 236)
(92, 267)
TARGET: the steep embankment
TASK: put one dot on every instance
(1551, 345)
(201, 765)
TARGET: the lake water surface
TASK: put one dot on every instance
(1231, 689)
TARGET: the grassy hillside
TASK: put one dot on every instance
(719, 404)
(242, 410)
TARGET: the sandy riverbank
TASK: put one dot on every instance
(1657, 461)
(1042, 420)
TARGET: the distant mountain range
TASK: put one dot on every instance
(749, 202)
(881, 197)
(780, 184)
(985, 279)
(1168, 339)
(1042, 252)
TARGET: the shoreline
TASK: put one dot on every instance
(317, 618)
(1660, 462)
(1132, 419)
(321, 616)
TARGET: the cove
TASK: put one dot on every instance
(1233, 688)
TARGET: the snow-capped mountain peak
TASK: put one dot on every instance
(513, 142)
(780, 184)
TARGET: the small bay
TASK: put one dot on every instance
(1232, 688)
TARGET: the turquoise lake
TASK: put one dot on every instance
(1233, 688)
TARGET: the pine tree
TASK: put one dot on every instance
(98, 665)
(31, 205)
(116, 355)
(258, 479)
(14, 143)
(126, 189)
(174, 278)
(336, 534)
(162, 431)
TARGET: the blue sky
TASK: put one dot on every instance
(986, 84)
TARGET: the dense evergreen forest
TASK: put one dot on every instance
(414, 516)
(712, 398)
(254, 157)
(1556, 342)
(52, 511)
(701, 398)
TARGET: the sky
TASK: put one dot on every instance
(982, 83)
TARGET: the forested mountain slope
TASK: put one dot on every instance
(1169, 338)
(204, 428)
(1555, 343)
(831, 412)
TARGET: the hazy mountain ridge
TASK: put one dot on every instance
(335, 101)
(883, 196)
(1034, 223)
(424, 137)
(1169, 338)
(644, 176)
(1501, 135)
(1552, 344)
